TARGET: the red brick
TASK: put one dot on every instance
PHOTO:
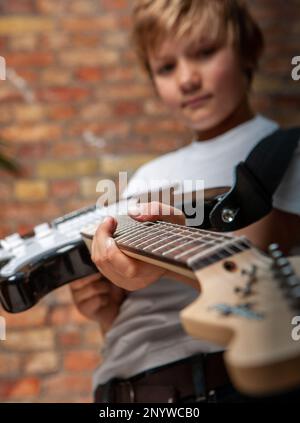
(41, 363)
(18, 6)
(5, 190)
(124, 92)
(49, 7)
(89, 74)
(38, 339)
(61, 189)
(68, 149)
(63, 94)
(85, 40)
(81, 360)
(69, 337)
(127, 108)
(67, 384)
(60, 315)
(28, 43)
(10, 364)
(27, 387)
(55, 77)
(92, 336)
(28, 74)
(54, 40)
(119, 74)
(96, 111)
(36, 316)
(6, 114)
(22, 59)
(33, 151)
(16, 212)
(9, 94)
(101, 56)
(105, 129)
(61, 112)
(113, 5)
(24, 133)
(82, 7)
(144, 126)
(20, 24)
(90, 24)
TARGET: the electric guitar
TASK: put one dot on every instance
(247, 302)
(55, 254)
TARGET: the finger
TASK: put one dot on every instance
(80, 283)
(157, 211)
(104, 231)
(93, 305)
(92, 290)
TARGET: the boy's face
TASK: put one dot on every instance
(201, 82)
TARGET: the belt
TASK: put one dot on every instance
(191, 379)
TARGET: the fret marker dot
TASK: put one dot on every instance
(230, 266)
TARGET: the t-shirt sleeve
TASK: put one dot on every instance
(287, 195)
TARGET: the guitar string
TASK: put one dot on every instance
(224, 248)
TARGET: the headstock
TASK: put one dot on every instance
(247, 304)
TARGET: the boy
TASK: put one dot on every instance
(200, 56)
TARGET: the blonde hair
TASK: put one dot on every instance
(155, 20)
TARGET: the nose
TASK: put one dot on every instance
(188, 76)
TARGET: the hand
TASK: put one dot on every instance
(97, 299)
(122, 270)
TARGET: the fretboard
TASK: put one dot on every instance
(175, 244)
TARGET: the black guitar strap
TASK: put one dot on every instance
(256, 180)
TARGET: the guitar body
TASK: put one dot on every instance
(55, 253)
(25, 288)
(262, 357)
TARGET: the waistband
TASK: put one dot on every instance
(193, 378)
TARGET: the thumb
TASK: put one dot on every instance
(157, 211)
(109, 225)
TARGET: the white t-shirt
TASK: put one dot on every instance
(147, 332)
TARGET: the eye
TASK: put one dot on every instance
(165, 69)
(205, 52)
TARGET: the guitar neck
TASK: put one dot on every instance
(174, 247)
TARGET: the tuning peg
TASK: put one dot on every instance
(275, 252)
(292, 281)
(286, 271)
(282, 262)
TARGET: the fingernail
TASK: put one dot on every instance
(134, 210)
(109, 243)
(106, 219)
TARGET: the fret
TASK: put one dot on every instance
(209, 250)
(141, 239)
(179, 247)
(198, 233)
(133, 232)
(216, 253)
(144, 236)
(177, 244)
(166, 245)
(123, 230)
(155, 244)
(151, 238)
(191, 252)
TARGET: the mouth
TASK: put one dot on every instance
(196, 102)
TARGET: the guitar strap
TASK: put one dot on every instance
(256, 180)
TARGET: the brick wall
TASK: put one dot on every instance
(75, 109)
